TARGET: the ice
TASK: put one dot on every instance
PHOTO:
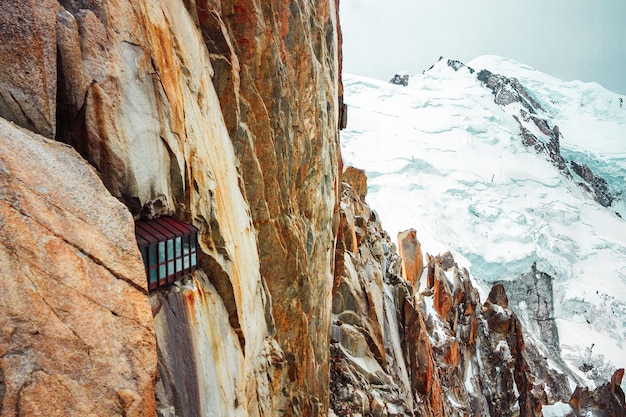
(556, 410)
(443, 158)
(469, 373)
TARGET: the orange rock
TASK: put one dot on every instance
(419, 357)
(410, 251)
(473, 330)
(348, 226)
(281, 109)
(446, 260)
(229, 110)
(575, 400)
(453, 354)
(442, 294)
(498, 296)
(74, 313)
(458, 288)
(357, 180)
(430, 278)
(499, 319)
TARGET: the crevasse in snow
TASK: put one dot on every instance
(444, 158)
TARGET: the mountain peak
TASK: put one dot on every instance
(508, 167)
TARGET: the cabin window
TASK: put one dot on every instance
(168, 247)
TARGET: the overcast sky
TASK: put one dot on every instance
(570, 39)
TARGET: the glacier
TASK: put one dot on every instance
(444, 158)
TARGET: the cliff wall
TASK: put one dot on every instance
(224, 114)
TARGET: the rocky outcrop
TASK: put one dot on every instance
(508, 90)
(546, 139)
(457, 65)
(76, 333)
(606, 400)
(594, 184)
(433, 349)
(506, 333)
(531, 295)
(410, 252)
(400, 79)
(357, 180)
(367, 365)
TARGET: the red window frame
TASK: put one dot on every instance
(169, 249)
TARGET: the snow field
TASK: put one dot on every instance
(443, 158)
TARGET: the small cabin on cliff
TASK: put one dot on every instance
(169, 249)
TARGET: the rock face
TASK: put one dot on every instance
(226, 115)
(76, 334)
(532, 297)
(410, 252)
(436, 349)
(457, 65)
(594, 183)
(277, 76)
(357, 180)
(606, 400)
(368, 370)
(28, 57)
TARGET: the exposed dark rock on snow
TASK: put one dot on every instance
(533, 292)
(550, 148)
(509, 90)
(457, 65)
(594, 184)
(399, 79)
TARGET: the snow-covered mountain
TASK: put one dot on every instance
(522, 177)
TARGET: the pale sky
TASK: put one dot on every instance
(569, 39)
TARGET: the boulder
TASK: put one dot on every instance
(357, 180)
(76, 331)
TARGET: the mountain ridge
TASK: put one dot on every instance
(465, 155)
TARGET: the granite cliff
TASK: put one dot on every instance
(222, 113)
